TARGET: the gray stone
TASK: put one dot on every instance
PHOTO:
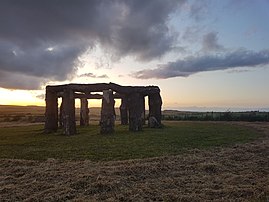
(51, 114)
(155, 106)
(132, 107)
(61, 116)
(153, 123)
(135, 106)
(107, 113)
(124, 112)
(84, 112)
(69, 119)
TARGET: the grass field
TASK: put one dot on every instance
(194, 161)
(28, 142)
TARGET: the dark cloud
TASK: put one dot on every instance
(195, 64)
(210, 42)
(44, 39)
(14, 80)
(144, 32)
(238, 70)
(91, 75)
(55, 62)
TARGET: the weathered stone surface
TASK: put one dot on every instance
(51, 114)
(69, 119)
(135, 106)
(124, 111)
(61, 116)
(153, 123)
(107, 113)
(84, 112)
(155, 109)
(134, 109)
(143, 115)
(99, 87)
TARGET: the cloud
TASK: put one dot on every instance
(144, 32)
(191, 65)
(13, 80)
(91, 75)
(44, 39)
(192, 33)
(40, 61)
(210, 42)
(198, 10)
(41, 96)
(238, 70)
(251, 31)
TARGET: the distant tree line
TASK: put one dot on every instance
(174, 116)
(218, 116)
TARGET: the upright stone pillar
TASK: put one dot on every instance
(69, 119)
(155, 110)
(135, 106)
(107, 113)
(61, 116)
(84, 112)
(51, 114)
(124, 111)
(144, 112)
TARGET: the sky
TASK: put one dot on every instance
(203, 54)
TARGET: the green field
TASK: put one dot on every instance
(28, 142)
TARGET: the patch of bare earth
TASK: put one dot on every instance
(237, 173)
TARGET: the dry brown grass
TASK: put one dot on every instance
(14, 109)
(237, 173)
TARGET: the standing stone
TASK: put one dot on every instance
(135, 106)
(124, 111)
(144, 111)
(61, 116)
(107, 113)
(84, 112)
(51, 114)
(155, 110)
(69, 119)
